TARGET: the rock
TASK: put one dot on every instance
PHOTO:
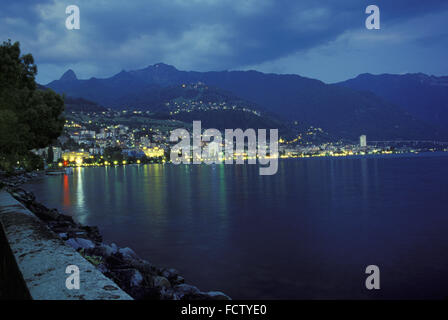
(73, 243)
(99, 251)
(102, 267)
(217, 295)
(161, 282)
(177, 280)
(166, 294)
(63, 217)
(85, 243)
(74, 233)
(188, 292)
(104, 250)
(60, 224)
(43, 212)
(80, 243)
(127, 278)
(93, 233)
(170, 273)
(143, 266)
(182, 290)
(116, 261)
(114, 247)
(63, 235)
(128, 253)
(19, 195)
(53, 214)
(136, 279)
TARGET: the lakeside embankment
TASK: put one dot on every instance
(137, 277)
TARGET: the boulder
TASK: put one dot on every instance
(217, 295)
(143, 266)
(161, 282)
(136, 278)
(128, 253)
(63, 235)
(183, 291)
(80, 243)
(177, 280)
(105, 250)
(169, 273)
(102, 267)
(166, 294)
(127, 278)
(92, 232)
(116, 261)
(114, 247)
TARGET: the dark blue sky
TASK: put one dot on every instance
(323, 39)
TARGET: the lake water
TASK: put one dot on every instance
(307, 232)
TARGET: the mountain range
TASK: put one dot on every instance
(415, 107)
(423, 96)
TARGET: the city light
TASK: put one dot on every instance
(79, 161)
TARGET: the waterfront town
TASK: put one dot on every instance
(101, 139)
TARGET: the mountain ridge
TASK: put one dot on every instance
(340, 110)
(423, 96)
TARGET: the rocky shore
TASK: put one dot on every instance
(138, 277)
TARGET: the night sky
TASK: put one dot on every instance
(324, 39)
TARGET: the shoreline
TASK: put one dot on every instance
(137, 277)
(281, 157)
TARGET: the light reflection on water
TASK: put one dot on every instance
(307, 232)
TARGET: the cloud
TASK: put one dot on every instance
(206, 34)
(408, 46)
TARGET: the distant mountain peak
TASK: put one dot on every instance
(366, 74)
(69, 75)
(162, 66)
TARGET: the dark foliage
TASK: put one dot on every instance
(29, 118)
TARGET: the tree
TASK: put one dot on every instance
(50, 155)
(113, 154)
(30, 118)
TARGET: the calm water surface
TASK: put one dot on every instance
(307, 232)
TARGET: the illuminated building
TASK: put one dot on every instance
(154, 152)
(363, 141)
(75, 156)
